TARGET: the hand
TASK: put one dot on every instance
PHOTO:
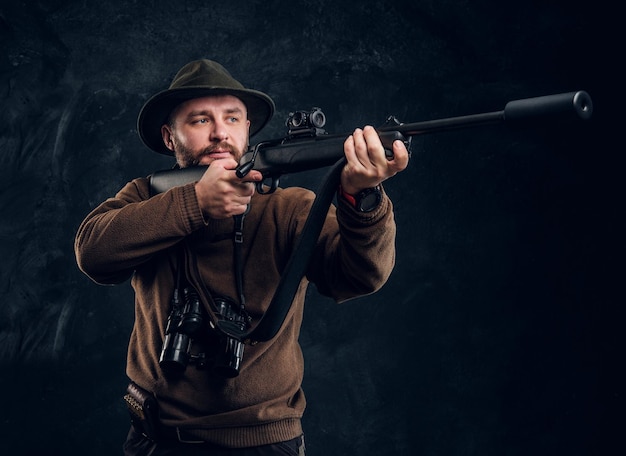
(221, 194)
(367, 165)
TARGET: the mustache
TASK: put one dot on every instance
(222, 146)
(219, 146)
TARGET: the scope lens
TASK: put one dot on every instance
(318, 119)
(297, 119)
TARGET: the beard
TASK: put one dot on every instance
(185, 157)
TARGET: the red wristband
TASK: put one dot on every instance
(347, 196)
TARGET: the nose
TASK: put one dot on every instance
(219, 131)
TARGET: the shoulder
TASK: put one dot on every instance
(136, 190)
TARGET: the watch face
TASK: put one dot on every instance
(369, 199)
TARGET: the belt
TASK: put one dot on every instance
(181, 435)
(178, 435)
(169, 434)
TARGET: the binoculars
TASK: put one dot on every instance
(187, 322)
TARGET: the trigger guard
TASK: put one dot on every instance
(271, 188)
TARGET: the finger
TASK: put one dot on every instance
(356, 150)
(225, 163)
(375, 149)
(349, 148)
(400, 156)
(241, 209)
(360, 147)
(240, 201)
(244, 189)
(254, 176)
(251, 177)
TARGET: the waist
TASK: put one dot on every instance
(232, 437)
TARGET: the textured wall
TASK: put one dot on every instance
(500, 330)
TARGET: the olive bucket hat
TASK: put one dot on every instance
(199, 78)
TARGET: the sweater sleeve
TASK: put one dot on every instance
(125, 231)
(356, 252)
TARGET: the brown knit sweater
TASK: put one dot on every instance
(136, 236)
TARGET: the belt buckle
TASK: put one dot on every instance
(181, 439)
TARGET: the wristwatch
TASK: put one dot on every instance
(368, 199)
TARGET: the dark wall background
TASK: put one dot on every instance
(500, 332)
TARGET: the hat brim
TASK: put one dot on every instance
(156, 110)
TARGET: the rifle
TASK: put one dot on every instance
(307, 146)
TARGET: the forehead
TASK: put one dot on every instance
(214, 104)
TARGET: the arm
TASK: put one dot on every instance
(127, 230)
(360, 257)
(356, 252)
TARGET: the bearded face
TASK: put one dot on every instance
(202, 130)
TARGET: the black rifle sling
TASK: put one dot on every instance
(276, 313)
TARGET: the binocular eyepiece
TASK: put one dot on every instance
(186, 322)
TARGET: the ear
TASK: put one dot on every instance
(166, 134)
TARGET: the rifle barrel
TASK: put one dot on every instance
(562, 105)
(450, 123)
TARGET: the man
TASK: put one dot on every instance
(181, 241)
